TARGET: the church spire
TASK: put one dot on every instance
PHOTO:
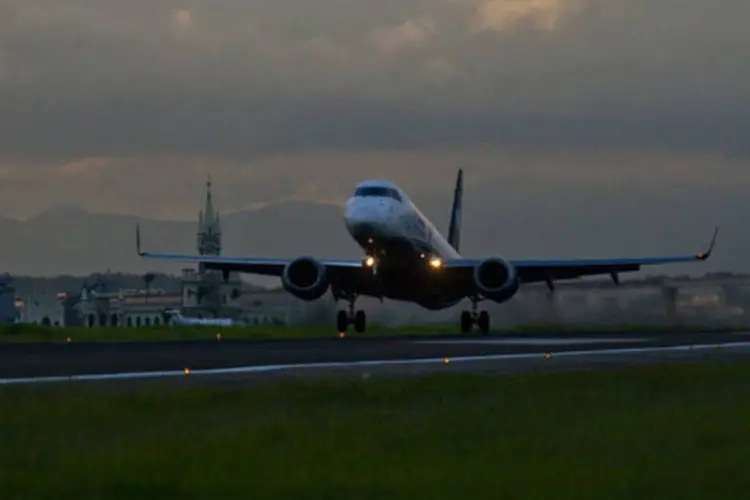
(209, 226)
(209, 212)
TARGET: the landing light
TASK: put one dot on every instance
(436, 263)
(370, 261)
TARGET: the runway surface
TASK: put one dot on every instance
(34, 362)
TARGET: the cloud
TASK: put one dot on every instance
(503, 14)
(241, 79)
(607, 115)
(410, 33)
(183, 18)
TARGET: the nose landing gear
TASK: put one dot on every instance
(470, 318)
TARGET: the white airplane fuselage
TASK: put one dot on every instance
(371, 217)
(400, 242)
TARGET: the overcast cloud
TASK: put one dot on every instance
(126, 105)
(245, 77)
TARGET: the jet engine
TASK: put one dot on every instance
(496, 279)
(305, 278)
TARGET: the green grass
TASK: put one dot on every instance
(33, 333)
(674, 431)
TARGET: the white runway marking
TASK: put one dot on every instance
(534, 341)
(384, 362)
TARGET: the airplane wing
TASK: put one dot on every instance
(252, 265)
(348, 270)
(531, 271)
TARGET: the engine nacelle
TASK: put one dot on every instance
(496, 279)
(305, 278)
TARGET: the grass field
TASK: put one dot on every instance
(33, 333)
(674, 431)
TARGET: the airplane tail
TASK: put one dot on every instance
(454, 231)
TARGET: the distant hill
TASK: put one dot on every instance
(69, 240)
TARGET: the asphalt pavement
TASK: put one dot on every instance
(92, 360)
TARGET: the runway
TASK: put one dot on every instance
(238, 359)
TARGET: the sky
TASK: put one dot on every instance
(126, 107)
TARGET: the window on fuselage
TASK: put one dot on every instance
(378, 192)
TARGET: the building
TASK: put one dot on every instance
(47, 310)
(8, 310)
(128, 308)
(205, 293)
(208, 239)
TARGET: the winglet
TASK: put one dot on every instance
(705, 255)
(138, 239)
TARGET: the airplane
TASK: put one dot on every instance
(176, 318)
(407, 259)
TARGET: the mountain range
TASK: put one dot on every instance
(71, 240)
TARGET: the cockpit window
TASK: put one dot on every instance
(377, 191)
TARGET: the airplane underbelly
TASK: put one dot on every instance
(403, 285)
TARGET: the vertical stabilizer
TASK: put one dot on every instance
(454, 231)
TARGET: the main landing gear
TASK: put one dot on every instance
(470, 318)
(345, 318)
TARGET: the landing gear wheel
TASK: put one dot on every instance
(342, 321)
(360, 322)
(470, 318)
(483, 322)
(466, 322)
(350, 317)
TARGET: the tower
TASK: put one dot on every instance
(209, 227)
(205, 293)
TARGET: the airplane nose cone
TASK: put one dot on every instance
(366, 218)
(366, 212)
